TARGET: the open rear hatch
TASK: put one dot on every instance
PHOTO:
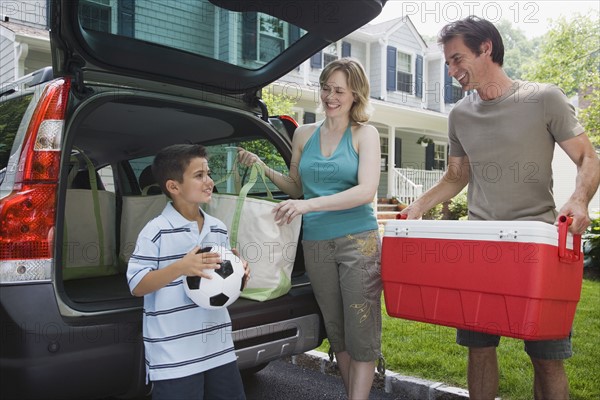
(221, 46)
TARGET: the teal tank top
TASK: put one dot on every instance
(322, 176)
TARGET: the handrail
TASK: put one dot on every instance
(404, 189)
(409, 183)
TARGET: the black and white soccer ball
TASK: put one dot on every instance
(225, 286)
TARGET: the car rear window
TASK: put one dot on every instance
(11, 114)
(194, 26)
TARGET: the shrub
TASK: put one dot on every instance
(591, 245)
(458, 208)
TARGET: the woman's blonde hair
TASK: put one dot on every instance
(358, 83)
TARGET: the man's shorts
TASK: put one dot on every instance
(345, 274)
(541, 349)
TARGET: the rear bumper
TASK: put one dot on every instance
(265, 343)
(43, 355)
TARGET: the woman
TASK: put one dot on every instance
(335, 166)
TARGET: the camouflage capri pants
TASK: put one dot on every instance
(346, 277)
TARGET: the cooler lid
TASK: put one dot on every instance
(510, 231)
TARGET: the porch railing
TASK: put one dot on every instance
(411, 183)
(404, 189)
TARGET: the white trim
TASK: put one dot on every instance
(383, 71)
(391, 159)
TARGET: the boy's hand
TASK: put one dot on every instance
(195, 263)
(246, 267)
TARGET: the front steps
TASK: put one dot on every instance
(386, 210)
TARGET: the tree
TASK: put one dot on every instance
(569, 57)
(518, 50)
(277, 104)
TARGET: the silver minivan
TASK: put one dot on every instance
(130, 77)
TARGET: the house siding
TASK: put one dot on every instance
(413, 154)
(374, 72)
(27, 12)
(432, 85)
(222, 24)
(158, 22)
(7, 57)
(564, 175)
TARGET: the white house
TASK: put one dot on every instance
(410, 88)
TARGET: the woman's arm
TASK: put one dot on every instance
(290, 184)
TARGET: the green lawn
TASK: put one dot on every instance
(430, 352)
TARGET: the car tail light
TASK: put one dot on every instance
(27, 215)
(289, 119)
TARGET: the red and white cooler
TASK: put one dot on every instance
(511, 278)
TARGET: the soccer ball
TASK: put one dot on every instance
(225, 286)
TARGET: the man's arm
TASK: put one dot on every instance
(581, 151)
(452, 182)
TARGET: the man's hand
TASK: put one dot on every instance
(579, 212)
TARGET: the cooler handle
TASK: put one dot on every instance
(563, 253)
(401, 216)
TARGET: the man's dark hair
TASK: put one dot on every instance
(171, 162)
(474, 31)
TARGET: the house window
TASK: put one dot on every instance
(452, 90)
(457, 92)
(96, 15)
(384, 154)
(330, 53)
(405, 77)
(439, 157)
(271, 37)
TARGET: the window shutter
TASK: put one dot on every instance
(293, 34)
(391, 68)
(346, 49)
(309, 117)
(457, 94)
(249, 35)
(447, 86)
(429, 156)
(316, 61)
(126, 11)
(419, 77)
(398, 152)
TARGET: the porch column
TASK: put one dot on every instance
(391, 191)
(21, 52)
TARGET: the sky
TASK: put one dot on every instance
(532, 17)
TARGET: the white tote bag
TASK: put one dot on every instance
(89, 248)
(270, 249)
(137, 211)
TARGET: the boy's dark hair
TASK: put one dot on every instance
(171, 162)
(475, 31)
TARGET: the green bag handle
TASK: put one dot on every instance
(256, 171)
(95, 199)
(262, 176)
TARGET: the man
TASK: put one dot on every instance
(502, 138)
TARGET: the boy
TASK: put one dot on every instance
(189, 350)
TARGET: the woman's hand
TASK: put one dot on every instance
(247, 158)
(287, 210)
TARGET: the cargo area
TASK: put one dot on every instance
(109, 194)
